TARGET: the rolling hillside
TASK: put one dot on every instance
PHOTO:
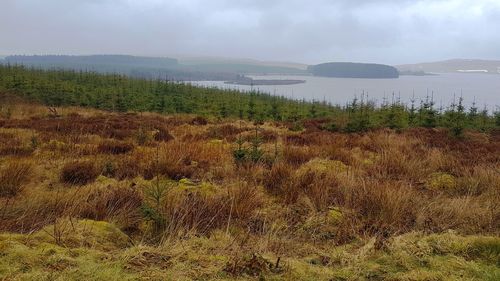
(455, 66)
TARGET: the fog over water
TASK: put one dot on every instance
(484, 88)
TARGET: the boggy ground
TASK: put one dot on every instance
(90, 195)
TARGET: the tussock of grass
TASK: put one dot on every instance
(323, 166)
(13, 176)
(79, 173)
(441, 182)
(114, 147)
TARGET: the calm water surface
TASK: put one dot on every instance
(484, 88)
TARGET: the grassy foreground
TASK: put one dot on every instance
(92, 195)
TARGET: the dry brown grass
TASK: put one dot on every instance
(297, 155)
(162, 135)
(79, 173)
(128, 167)
(227, 131)
(37, 209)
(322, 188)
(277, 178)
(114, 147)
(13, 177)
(116, 203)
(199, 121)
(467, 214)
(16, 151)
(382, 209)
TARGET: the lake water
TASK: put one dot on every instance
(484, 88)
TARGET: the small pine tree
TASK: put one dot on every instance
(275, 112)
(251, 108)
(223, 112)
(497, 118)
(256, 152)
(412, 113)
(120, 104)
(457, 125)
(313, 111)
(394, 119)
(473, 114)
(240, 153)
(294, 114)
(359, 117)
(429, 113)
(483, 117)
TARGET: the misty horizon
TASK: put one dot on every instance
(380, 31)
(241, 59)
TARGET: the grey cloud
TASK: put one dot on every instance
(389, 31)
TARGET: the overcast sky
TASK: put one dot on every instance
(309, 31)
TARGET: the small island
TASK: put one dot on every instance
(354, 70)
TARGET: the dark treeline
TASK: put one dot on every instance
(120, 93)
(138, 67)
(354, 70)
(97, 60)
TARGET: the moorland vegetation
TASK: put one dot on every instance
(104, 177)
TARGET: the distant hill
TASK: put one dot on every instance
(242, 66)
(354, 70)
(454, 66)
(153, 67)
(98, 62)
